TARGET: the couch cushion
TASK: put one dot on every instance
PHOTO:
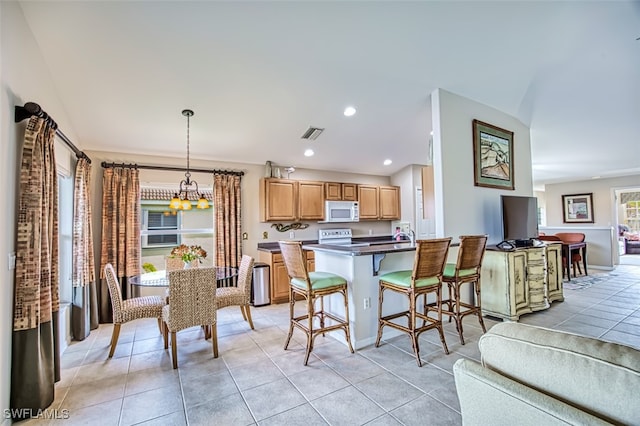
(598, 377)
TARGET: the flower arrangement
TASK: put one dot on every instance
(189, 253)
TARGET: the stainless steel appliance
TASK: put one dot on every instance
(260, 285)
(341, 211)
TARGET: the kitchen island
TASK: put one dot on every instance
(361, 264)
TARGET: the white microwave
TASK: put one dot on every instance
(341, 211)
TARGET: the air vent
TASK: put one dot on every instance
(312, 133)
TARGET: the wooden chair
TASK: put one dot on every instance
(192, 302)
(425, 278)
(312, 286)
(130, 309)
(465, 271)
(240, 295)
(576, 257)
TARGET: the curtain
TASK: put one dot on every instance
(120, 232)
(228, 224)
(35, 358)
(84, 313)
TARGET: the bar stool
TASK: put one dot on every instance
(465, 271)
(425, 278)
(312, 286)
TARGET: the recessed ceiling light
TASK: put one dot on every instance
(308, 153)
(349, 111)
(387, 162)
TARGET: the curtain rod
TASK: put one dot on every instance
(106, 165)
(31, 108)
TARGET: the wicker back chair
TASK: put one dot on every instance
(130, 309)
(465, 271)
(240, 295)
(192, 302)
(174, 263)
(425, 278)
(312, 286)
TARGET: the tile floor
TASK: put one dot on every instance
(254, 381)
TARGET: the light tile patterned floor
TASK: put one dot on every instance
(254, 381)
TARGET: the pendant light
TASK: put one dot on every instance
(180, 200)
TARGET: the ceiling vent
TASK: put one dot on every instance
(312, 133)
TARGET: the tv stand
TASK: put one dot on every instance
(521, 280)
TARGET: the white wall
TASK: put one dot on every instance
(463, 208)
(603, 251)
(24, 78)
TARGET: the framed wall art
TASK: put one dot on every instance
(492, 156)
(577, 208)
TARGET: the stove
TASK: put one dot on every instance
(338, 236)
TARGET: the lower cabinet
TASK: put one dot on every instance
(279, 279)
(520, 281)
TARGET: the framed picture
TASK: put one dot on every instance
(492, 156)
(577, 208)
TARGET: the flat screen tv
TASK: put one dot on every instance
(519, 219)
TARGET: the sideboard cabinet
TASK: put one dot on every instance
(520, 281)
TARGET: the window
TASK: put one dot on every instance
(160, 220)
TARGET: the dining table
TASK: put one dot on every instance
(157, 282)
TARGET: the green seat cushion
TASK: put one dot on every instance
(320, 280)
(450, 271)
(403, 278)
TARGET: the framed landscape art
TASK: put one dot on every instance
(577, 208)
(492, 156)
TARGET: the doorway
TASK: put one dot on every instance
(628, 223)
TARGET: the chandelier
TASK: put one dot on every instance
(180, 200)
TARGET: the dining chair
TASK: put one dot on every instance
(312, 287)
(192, 302)
(130, 309)
(239, 295)
(423, 279)
(576, 257)
(466, 270)
(174, 263)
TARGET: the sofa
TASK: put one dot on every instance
(535, 376)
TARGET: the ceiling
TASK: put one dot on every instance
(258, 74)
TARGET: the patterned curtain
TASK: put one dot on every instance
(35, 358)
(120, 231)
(227, 205)
(84, 313)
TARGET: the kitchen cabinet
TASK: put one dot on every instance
(290, 200)
(278, 276)
(336, 191)
(520, 281)
(379, 202)
(310, 200)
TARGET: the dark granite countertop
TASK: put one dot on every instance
(273, 247)
(362, 249)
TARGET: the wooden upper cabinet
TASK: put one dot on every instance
(333, 191)
(349, 192)
(337, 191)
(379, 202)
(291, 200)
(368, 197)
(278, 199)
(389, 203)
(310, 200)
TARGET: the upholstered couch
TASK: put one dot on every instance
(632, 244)
(536, 376)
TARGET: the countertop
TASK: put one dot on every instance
(362, 250)
(358, 250)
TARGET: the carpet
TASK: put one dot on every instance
(585, 281)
